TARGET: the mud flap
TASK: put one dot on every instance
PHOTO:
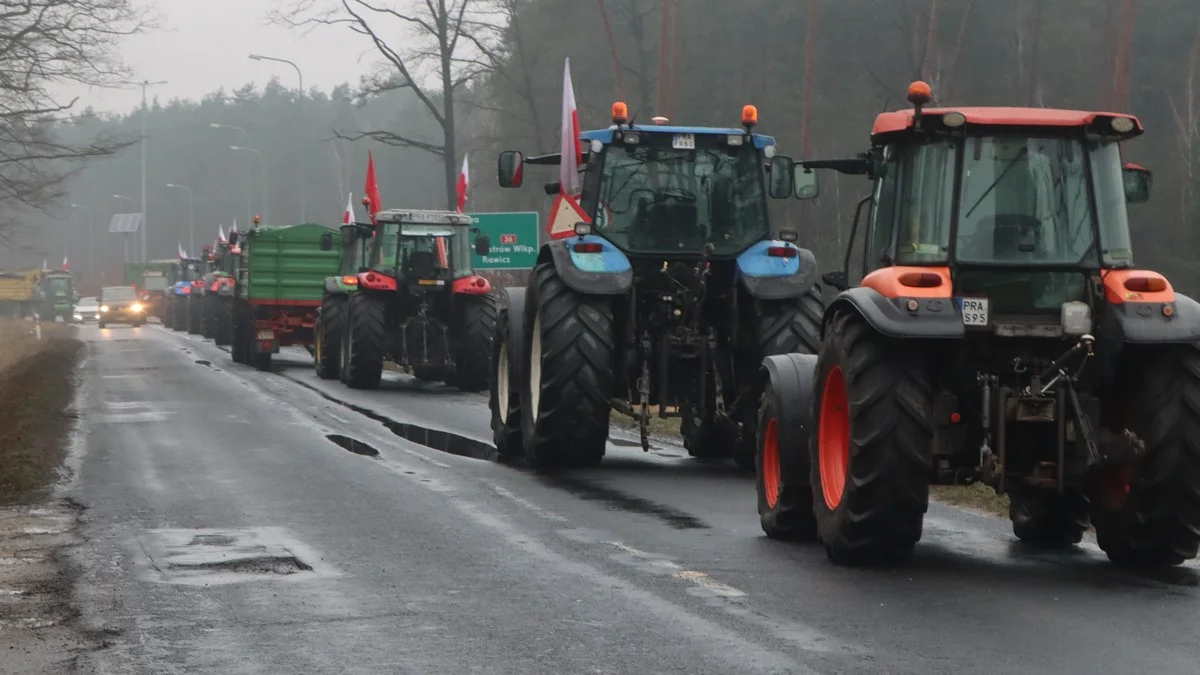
(265, 341)
(793, 380)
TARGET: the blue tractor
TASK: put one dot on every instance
(175, 304)
(662, 298)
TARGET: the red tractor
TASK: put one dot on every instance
(998, 331)
(420, 304)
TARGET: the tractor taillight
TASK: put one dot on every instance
(781, 252)
(584, 247)
(371, 278)
(479, 282)
(350, 281)
(1146, 284)
(920, 280)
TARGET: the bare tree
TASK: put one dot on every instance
(440, 56)
(46, 44)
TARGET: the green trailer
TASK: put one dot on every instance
(280, 283)
(335, 300)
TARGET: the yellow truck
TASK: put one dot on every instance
(18, 291)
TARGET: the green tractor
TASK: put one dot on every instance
(335, 303)
(57, 293)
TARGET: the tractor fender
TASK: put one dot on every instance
(334, 285)
(606, 272)
(768, 277)
(1145, 323)
(512, 305)
(793, 379)
(935, 317)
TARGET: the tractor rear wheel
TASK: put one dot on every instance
(223, 331)
(1147, 513)
(785, 495)
(168, 314)
(568, 373)
(179, 314)
(195, 314)
(504, 399)
(208, 316)
(472, 363)
(365, 341)
(239, 344)
(1048, 519)
(331, 325)
(870, 453)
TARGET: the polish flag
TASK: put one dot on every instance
(65, 266)
(348, 216)
(566, 212)
(233, 228)
(182, 253)
(463, 182)
(371, 189)
(221, 235)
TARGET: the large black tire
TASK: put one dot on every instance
(1149, 515)
(472, 363)
(1047, 519)
(785, 496)
(261, 361)
(208, 316)
(331, 324)
(504, 397)
(223, 332)
(239, 345)
(431, 373)
(568, 373)
(366, 339)
(168, 314)
(870, 455)
(179, 314)
(195, 314)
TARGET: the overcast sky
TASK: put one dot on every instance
(202, 45)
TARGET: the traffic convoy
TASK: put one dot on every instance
(985, 324)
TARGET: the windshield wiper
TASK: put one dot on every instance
(1011, 163)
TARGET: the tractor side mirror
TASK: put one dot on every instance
(326, 241)
(511, 168)
(805, 180)
(1137, 180)
(780, 176)
(835, 280)
(483, 245)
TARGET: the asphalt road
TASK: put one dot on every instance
(245, 522)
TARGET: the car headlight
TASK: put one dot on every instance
(136, 307)
(103, 308)
(79, 317)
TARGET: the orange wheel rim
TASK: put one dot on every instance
(770, 462)
(833, 437)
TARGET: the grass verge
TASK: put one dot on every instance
(977, 496)
(37, 382)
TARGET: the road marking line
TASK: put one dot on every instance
(699, 579)
(504, 492)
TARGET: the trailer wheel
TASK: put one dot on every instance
(237, 348)
(870, 452)
(785, 495)
(1048, 519)
(365, 341)
(331, 324)
(568, 373)
(1147, 513)
(472, 363)
(504, 396)
(223, 332)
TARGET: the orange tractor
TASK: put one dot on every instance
(998, 332)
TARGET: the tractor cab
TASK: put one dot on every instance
(356, 245)
(422, 250)
(190, 269)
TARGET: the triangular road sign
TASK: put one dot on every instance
(565, 213)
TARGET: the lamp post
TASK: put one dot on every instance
(245, 134)
(300, 109)
(191, 215)
(266, 179)
(145, 112)
(91, 238)
(134, 204)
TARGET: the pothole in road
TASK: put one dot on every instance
(353, 445)
(204, 362)
(590, 491)
(210, 556)
(442, 440)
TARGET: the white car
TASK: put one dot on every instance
(87, 310)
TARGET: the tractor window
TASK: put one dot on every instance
(659, 199)
(1115, 245)
(60, 285)
(925, 204)
(1025, 201)
(883, 214)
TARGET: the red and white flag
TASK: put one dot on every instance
(464, 182)
(348, 217)
(65, 266)
(221, 235)
(566, 212)
(233, 228)
(182, 253)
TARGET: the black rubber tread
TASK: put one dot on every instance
(367, 326)
(472, 363)
(1047, 519)
(577, 378)
(261, 361)
(506, 429)
(791, 518)
(208, 316)
(1158, 523)
(168, 316)
(179, 322)
(888, 385)
(331, 325)
(705, 438)
(195, 314)
(238, 346)
(223, 332)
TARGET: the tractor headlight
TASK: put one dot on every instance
(103, 308)
(1076, 318)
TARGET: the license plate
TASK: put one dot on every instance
(266, 335)
(974, 311)
(430, 282)
(684, 142)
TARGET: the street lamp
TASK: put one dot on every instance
(191, 215)
(143, 224)
(145, 112)
(300, 109)
(214, 125)
(266, 179)
(91, 238)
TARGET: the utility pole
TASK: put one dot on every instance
(191, 215)
(145, 112)
(91, 239)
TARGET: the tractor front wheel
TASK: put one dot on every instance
(568, 373)
(785, 495)
(870, 452)
(477, 324)
(365, 341)
(1147, 512)
(330, 326)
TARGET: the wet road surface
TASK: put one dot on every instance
(246, 522)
